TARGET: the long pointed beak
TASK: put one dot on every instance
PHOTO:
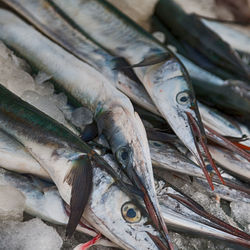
(221, 140)
(157, 242)
(219, 224)
(153, 212)
(201, 147)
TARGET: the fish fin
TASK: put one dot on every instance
(120, 63)
(80, 177)
(90, 132)
(151, 60)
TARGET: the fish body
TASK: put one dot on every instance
(62, 154)
(236, 39)
(161, 73)
(43, 200)
(210, 44)
(113, 111)
(15, 157)
(42, 15)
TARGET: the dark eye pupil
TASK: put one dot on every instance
(183, 99)
(131, 213)
(124, 155)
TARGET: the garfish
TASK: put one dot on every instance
(72, 165)
(42, 15)
(113, 111)
(161, 73)
(235, 38)
(164, 156)
(209, 44)
(43, 200)
(224, 90)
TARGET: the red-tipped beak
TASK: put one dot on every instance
(201, 147)
(154, 214)
(221, 140)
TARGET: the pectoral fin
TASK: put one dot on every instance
(150, 60)
(80, 177)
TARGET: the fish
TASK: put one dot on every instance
(210, 44)
(163, 76)
(174, 193)
(68, 160)
(235, 38)
(231, 94)
(15, 157)
(43, 201)
(113, 111)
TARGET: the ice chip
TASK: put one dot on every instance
(81, 117)
(240, 211)
(45, 89)
(42, 77)
(29, 235)
(12, 203)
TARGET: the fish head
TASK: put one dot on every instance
(119, 217)
(127, 137)
(173, 94)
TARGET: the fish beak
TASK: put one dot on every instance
(158, 242)
(226, 143)
(157, 219)
(201, 147)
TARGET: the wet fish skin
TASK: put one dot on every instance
(63, 155)
(112, 110)
(235, 38)
(43, 200)
(58, 150)
(216, 50)
(166, 80)
(15, 157)
(179, 219)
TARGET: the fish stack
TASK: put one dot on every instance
(93, 101)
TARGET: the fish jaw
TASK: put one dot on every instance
(104, 212)
(173, 95)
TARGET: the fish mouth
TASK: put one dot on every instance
(200, 142)
(154, 214)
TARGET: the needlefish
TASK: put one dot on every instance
(113, 111)
(74, 167)
(161, 73)
(43, 201)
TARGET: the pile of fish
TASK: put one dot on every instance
(98, 101)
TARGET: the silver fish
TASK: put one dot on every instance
(235, 38)
(113, 111)
(161, 73)
(15, 157)
(75, 168)
(44, 201)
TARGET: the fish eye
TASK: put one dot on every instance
(123, 155)
(131, 213)
(183, 98)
